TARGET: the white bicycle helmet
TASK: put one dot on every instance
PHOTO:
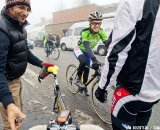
(95, 16)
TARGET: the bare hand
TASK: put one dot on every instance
(14, 113)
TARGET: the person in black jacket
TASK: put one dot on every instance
(14, 56)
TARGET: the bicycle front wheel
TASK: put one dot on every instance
(55, 53)
(103, 110)
(71, 76)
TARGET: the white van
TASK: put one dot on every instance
(72, 36)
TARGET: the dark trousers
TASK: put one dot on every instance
(82, 69)
(129, 113)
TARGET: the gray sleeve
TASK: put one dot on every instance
(88, 49)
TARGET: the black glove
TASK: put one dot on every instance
(106, 43)
(44, 73)
(106, 46)
(95, 64)
(101, 95)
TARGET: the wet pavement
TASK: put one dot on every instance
(38, 96)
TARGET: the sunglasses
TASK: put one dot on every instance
(24, 8)
(96, 23)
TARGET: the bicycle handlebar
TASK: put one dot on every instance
(53, 69)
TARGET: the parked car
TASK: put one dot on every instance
(72, 36)
(30, 43)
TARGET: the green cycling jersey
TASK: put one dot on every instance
(93, 39)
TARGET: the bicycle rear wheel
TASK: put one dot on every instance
(103, 110)
(55, 53)
(71, 76)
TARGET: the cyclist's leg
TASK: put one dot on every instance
(86, 69)
(82, 63)
(82, 60)
(143, 118)
(144, 115)
(85, 75)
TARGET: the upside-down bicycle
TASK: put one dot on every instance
(102, 109)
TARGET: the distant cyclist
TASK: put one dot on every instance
(48, 43)
(84, 51)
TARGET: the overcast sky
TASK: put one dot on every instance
(44, 8)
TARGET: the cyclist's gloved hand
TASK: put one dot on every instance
(44, 73)
(101, 94)
(95, 64)
(106, 46)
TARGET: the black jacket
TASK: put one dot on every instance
(14, 54)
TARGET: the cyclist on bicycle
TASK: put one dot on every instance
(48, 43)
(84, 53)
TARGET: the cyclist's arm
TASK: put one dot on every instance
(108, 41)
(5, 94)
(32, 59)
(86, 44)
(104, 37)
(122, 37)
(88, 49)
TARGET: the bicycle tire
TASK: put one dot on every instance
(55, 53)
(71, 75)
(103, 110)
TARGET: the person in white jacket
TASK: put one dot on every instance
(133, 61)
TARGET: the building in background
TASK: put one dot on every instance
(62, 20)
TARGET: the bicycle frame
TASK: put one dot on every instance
(58, 97)
(97, 73)
(57, 93)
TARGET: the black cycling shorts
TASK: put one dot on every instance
(129, 113)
